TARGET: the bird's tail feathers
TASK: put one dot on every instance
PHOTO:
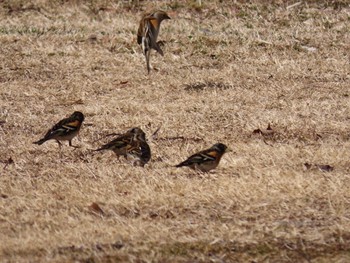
(159, 50)
(40, 142)
(99, 149)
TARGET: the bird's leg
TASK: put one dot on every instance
(59, 143)
(71, 145)
(147, 54)
(60, 147)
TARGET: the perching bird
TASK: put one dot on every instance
(64, 130)
(139, 151)
(148, 31)
(120, 144)
(206, 160)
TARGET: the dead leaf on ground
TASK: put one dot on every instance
(99, 247)
(258, 131)
(96, 209)
(92, 38)
(325, 167)
(307, 166)
(117, 245)
(153, 214)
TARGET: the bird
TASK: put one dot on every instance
(206, 160)
(125, 143)
(64, 130)
(148, 32)
(138, 151)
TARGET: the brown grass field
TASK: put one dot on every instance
(229, 69)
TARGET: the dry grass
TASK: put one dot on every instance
(228, 70)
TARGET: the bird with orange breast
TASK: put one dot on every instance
(148, 32)
(206, 160)
(65, 130)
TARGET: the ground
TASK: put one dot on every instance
(230, 70)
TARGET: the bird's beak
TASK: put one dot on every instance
(167, 17)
